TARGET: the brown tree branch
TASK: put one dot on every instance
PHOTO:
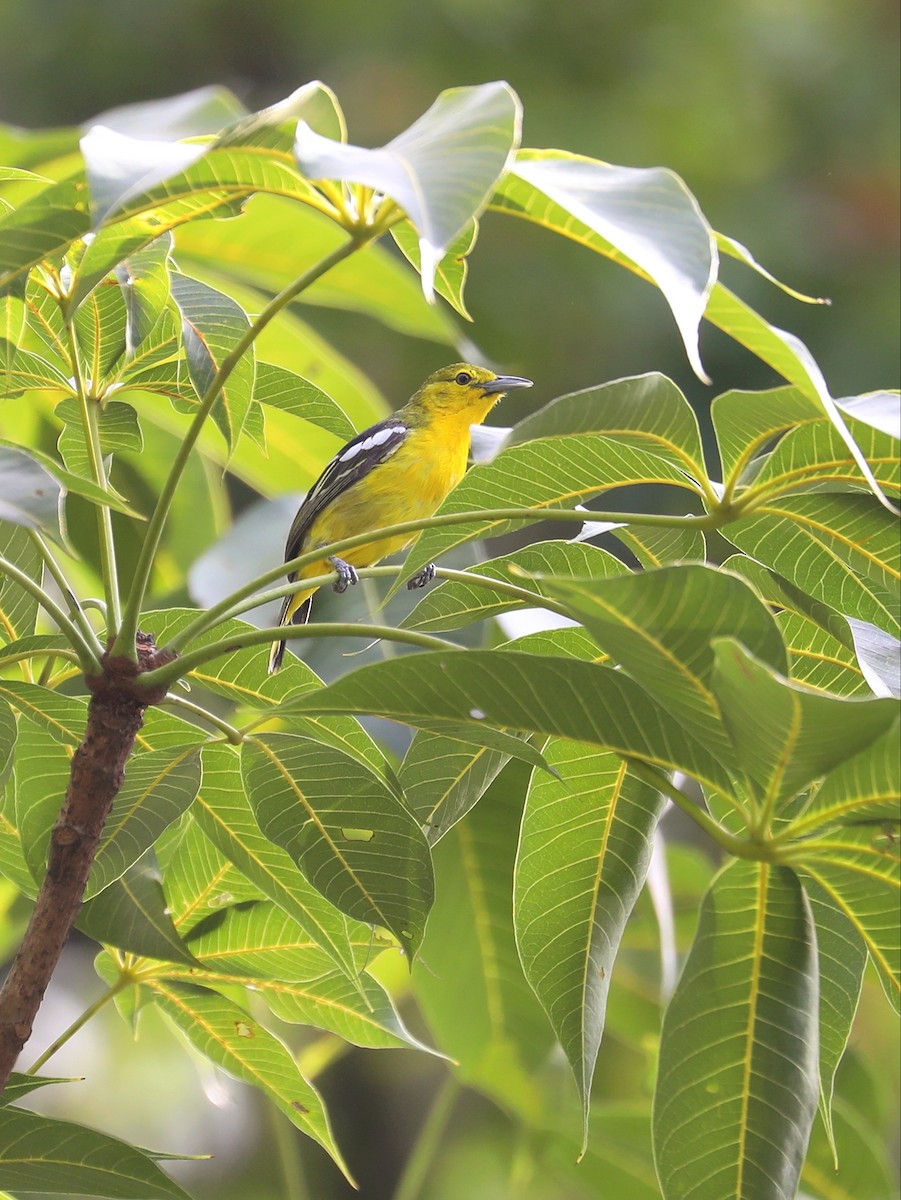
(115, 715)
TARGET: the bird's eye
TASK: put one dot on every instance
(463, 377)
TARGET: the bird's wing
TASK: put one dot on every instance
(361, 455)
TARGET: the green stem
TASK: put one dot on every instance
(210, 617)
(166, 675)
(75, 609)
(91, 1011)
(86, 655)
(428, 1142)
(235, 736)
(286, 1142)
(125, 640)
(738, 847)
(570, 515)
(90, 418)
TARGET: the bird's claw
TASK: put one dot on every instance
(425, 576)
(347, 575)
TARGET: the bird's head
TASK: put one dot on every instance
(465, 389)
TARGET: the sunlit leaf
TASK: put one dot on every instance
(645, 215)
(737, 1087)
(441, 171)
(238, 1044)
(18, 608)
(43, 225)
(347, 832)
(584, 851)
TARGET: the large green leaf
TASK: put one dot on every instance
(659, 626)
(468, 980)
(346, 830)
(455, 603)
(584, 850)
(144, 280)
(859, 870)
(41, 1154)
(27, 372)
(41, 226)
(785, 736)
(284, 390)
(441, 171)
(117, 428)
(158, 788)
(747, 422)
(553, 472)
(522, 692)
(224, 815)
(844, 550)
(737, 1086)
(198, 880)
(245, 1049)
(819, 660)
(646, 411)
(646, 215)
(29, 494)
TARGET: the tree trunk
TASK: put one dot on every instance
(115, 715)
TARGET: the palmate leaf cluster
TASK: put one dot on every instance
(265, 841)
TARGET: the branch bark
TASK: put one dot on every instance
(115, 715)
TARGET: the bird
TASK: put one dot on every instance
(400, 469)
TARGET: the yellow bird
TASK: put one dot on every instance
(398, 470)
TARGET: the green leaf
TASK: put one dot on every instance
(645, 411)
(132, 915)
(451, 270)
(843, 550)
(42, 767)
(645, 215)
(819, 660)
(524, 692)
(144, 280)
(785, 736)
(19, 1085)
(158, 788)
(28, 372)
(780, 594)
(584, 850)
(117, 427)
(737, 1086)
(223, 813)
(198, 880)
(231, 1039)
(441, 171)
(212, 326)
(659, 625)
(348, 833)
(13, 322)
(258, 939)
(455, 603)
(29, 494)
(442, 778)
(8, 734)
(293, 394)
(879, 657)
(863, 788)
(41, 1154)
(63, 717)
(747, 422)
(361, 1013)
(375, 283)
(41, 226)
(100, 327)
(553, 472)
(143, 189)
(859, 870)
(18, 608)
(842, 958)
(468, 981)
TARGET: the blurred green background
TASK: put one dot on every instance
(782, 119)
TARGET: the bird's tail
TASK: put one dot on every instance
(295, 611)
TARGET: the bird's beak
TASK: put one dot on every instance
(504, 383)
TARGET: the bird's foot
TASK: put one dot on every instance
(426, 575)
(347, 576)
